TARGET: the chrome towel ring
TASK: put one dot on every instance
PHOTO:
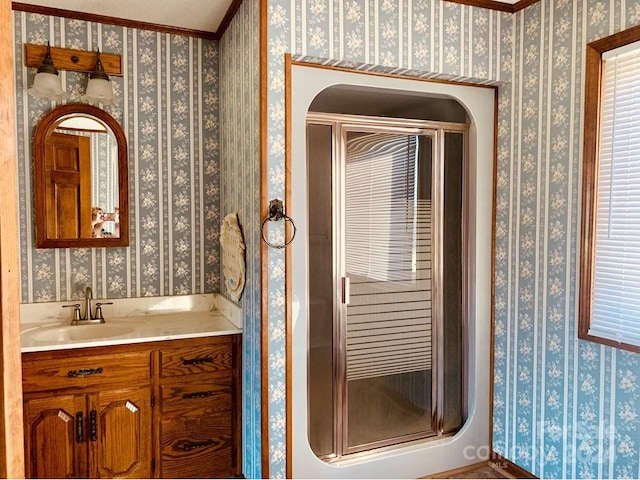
(276, 213)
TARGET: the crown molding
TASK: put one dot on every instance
(226, 21)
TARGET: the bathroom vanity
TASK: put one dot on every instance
(154, 396)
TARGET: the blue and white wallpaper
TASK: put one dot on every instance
(562, 407)
(415, 38)
(240, 193)
(168, 107)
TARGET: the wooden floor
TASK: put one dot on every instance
(478, 470)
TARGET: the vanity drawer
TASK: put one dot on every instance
(85, 371)
(211, 358)
(197, 447)
(197, 398)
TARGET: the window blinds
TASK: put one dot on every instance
(616, 295)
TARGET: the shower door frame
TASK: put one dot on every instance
(340, 125)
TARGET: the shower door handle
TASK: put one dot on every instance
(346, 290)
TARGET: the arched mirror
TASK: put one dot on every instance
(80, 179)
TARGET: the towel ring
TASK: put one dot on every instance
(276, 213)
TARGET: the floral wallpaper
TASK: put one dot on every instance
(168, 107)
(414, 38)
(240, 192)
(562, 407)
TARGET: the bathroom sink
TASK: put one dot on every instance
(69, 333)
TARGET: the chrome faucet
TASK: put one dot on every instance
(87, 316)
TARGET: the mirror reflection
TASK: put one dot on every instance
(96, 149)
(80, 179)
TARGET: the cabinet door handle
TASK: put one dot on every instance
(186, 446)
(191, 395)
(84, 372)
(79, 428)
(197, 361)
(93, 426)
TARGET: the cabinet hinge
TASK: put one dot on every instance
(153, 400)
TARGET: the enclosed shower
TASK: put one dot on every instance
(391, 191)
(387, 281)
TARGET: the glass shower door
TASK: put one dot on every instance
(386, 283)
(387, 288)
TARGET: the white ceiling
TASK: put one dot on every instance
(204, 15)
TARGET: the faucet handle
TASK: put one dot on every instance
(76, 311)
(98, 315)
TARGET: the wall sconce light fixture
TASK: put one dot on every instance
(99, 88)
(98, 66)
(47, 83)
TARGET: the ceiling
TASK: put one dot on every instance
(202, 15)
(199, 15)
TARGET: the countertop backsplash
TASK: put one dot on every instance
(49, 312)
(47, 326)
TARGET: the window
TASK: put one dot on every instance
(609, 310)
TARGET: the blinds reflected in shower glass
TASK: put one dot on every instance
(388, 263)
(390, 354)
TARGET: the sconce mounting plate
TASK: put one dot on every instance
(73, 60)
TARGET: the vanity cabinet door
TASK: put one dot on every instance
(119, 431)
(55, 444)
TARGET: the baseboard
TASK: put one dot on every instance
(457, 471)
(497, 463)
(510, 469)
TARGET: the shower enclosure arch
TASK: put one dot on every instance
(434, 445)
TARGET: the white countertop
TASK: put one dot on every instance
(46, 326)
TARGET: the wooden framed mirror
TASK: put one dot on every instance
(81, 181)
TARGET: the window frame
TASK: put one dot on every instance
(590, 171)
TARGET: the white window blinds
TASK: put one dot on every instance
(616, 295)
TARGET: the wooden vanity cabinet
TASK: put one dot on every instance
(149, 410)
(84, 420)
(198, 426)
(101, 440)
